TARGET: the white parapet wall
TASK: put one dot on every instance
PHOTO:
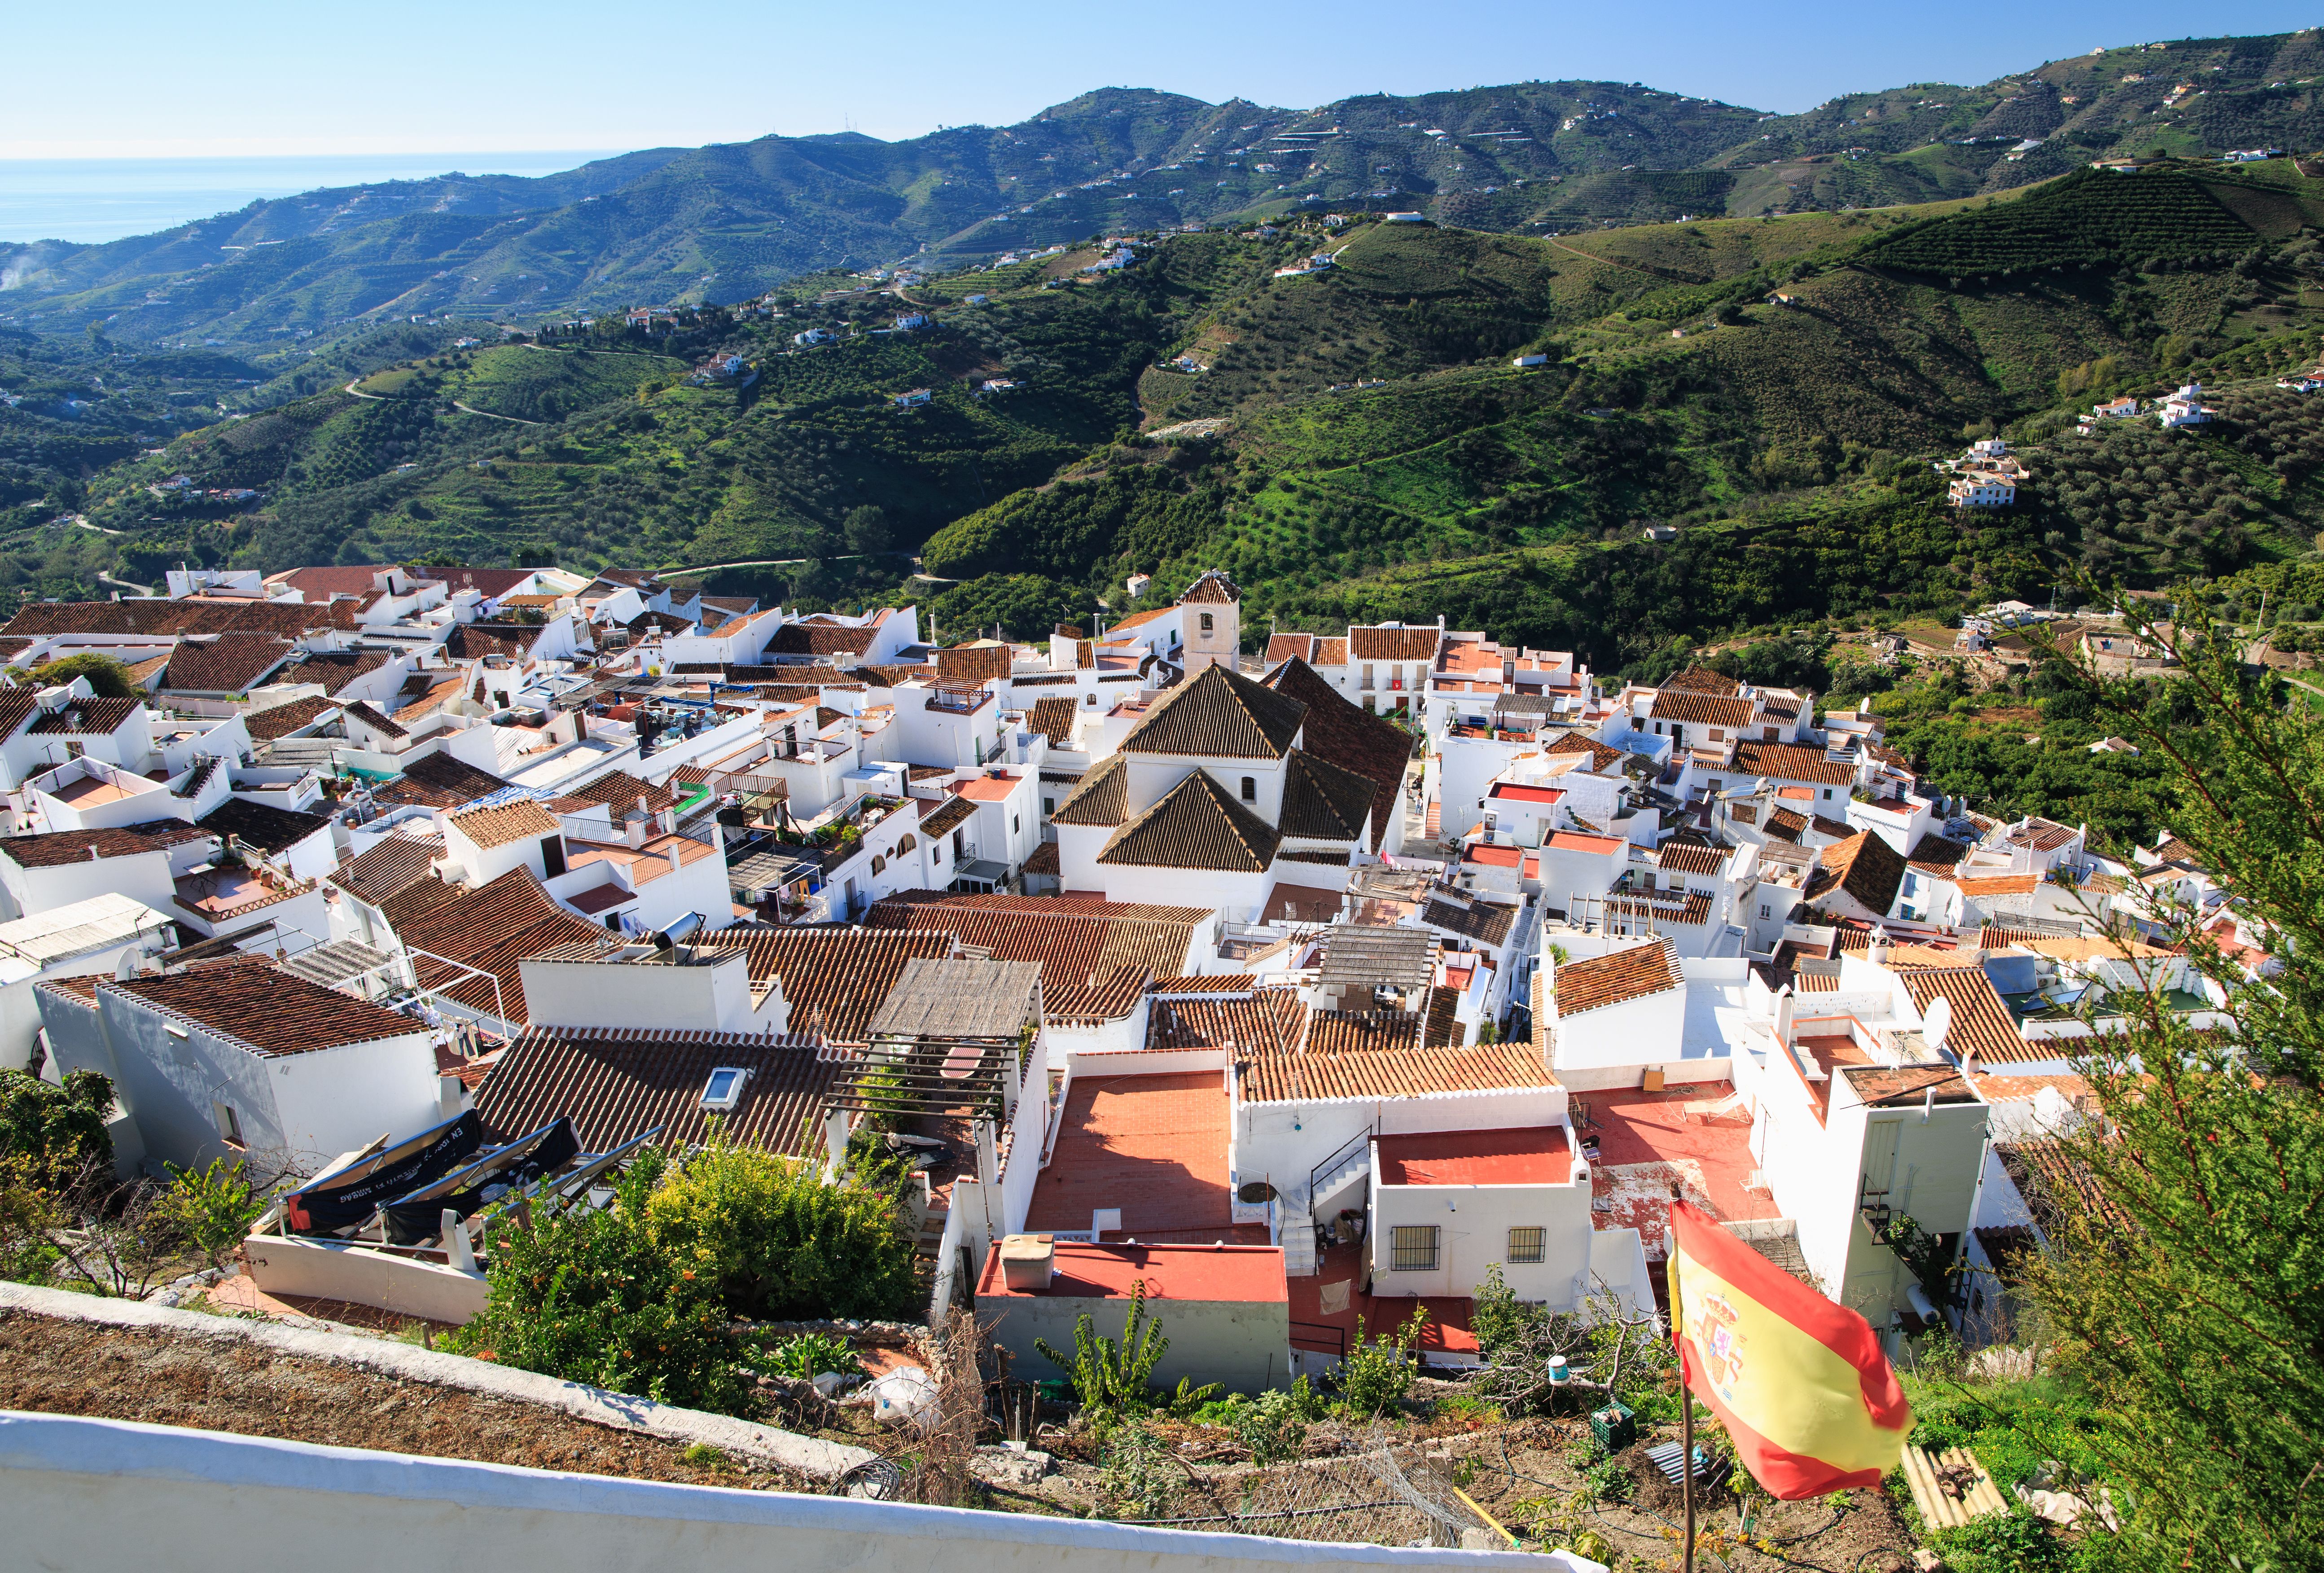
(97, 1496)
(339, 1269)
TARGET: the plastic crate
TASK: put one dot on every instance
(1615, 1427)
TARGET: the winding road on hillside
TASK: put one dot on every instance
(353, 391)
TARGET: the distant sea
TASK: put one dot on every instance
(91, 200)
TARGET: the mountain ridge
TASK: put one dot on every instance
(728, 221)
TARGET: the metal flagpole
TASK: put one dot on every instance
(1685, 1405)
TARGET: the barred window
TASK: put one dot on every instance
(1528, 1245)
(1412, 1248)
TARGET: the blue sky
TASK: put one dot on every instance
(133, 78)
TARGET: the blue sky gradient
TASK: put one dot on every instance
(132, 79)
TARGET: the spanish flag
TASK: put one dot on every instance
(1799, 1383)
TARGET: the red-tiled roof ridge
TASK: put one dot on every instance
(1212, 588)
(1616, 977)
(1867, 868)
(1218, 713)
(1702, 679)
(1195, 825)
(838, 977)
(1338, 730)
(614, 1084)
(55, 848)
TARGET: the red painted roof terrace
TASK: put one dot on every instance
(1527, 1155)
(1193, 1272)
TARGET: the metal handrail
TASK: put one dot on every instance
(1322, 1333)
(1346, 1150)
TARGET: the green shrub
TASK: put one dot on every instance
(1376, 1375)
(59, 1132)
(1136, 1474)
(592, 1297)
(778, 1242)
(1116, 1379)
(810, 1354)
(213, 1208)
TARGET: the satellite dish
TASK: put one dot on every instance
(1937, 1022)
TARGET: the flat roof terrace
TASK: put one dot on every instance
(1153, 1147)
(1526, 1155)
(1655, 1148)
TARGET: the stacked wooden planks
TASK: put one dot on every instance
(1951, 1488)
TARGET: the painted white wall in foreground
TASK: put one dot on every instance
(193, 1502)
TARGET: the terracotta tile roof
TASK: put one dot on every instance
(227, 664)
(1342, 733)
(1322, 801)
(17, 708)
(1255, 1021)
(1374, 1054)
(493, 927)
(1045, 860)
(1981, 1021)
(1833, 828)
(1487, 922)
(613, 1084)
(395, 864)
(1934, 851)
(1596, 982)
(620, 791)
(1053, 718)
(1702, 680)
(362, 711)
(834, 980)
(1601, 755)
(267, 1010)
(1220, 714)
(1102, 798)
(180, 617)
(321, 582)
(1371, 642)
(1205, 983)
(974, 662)
(1790, 761)
(1093, 964)
(55, 848)
(2042, 835)
(1867, 868)
(821, 639)
(280, 720)
(262, 825)
(438, 781)
(1282, 647)
(943, 816)
(2000, 884)
(475, 641)
(1195, 825)
(1704, 709)
(2057, 1183)
(521, 820)
(1688, 859)
(336, 668)
(1441, 1027)
(1786, 824)
(1213, 588)
(490, 582)
(86, 717)
(432, 697)
(1091, 906)
(1693, 909)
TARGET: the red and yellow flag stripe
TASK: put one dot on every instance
(1800, 1382)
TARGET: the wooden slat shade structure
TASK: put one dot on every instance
(898, 1077)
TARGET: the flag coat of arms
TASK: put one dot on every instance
(1800, 1382)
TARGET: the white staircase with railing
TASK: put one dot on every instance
(1296, 1232)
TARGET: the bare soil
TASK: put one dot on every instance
(59, 1367)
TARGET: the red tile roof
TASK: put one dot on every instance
(1253, 1021)
(55, 848)
(280, 720)
(1213, 588)
(268, 1011)
(491, 928)
(614, 1084)
(1102, 798)
(1094, 965)
(1370, 1054)
(1373, 642)
(180, 617)
(1596, 982)
(1341, 732)
(1704, 709)
(1867, 868)
(1195, 825)
(1218, 714)
(1981, 1022)
(439, 781)
(86, 717)
(1790, 761)
(518, 821)
(396, 863)
(1702, 680)
(833, 979)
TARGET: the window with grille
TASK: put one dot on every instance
(1412, 1248)
(1528, 1246)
